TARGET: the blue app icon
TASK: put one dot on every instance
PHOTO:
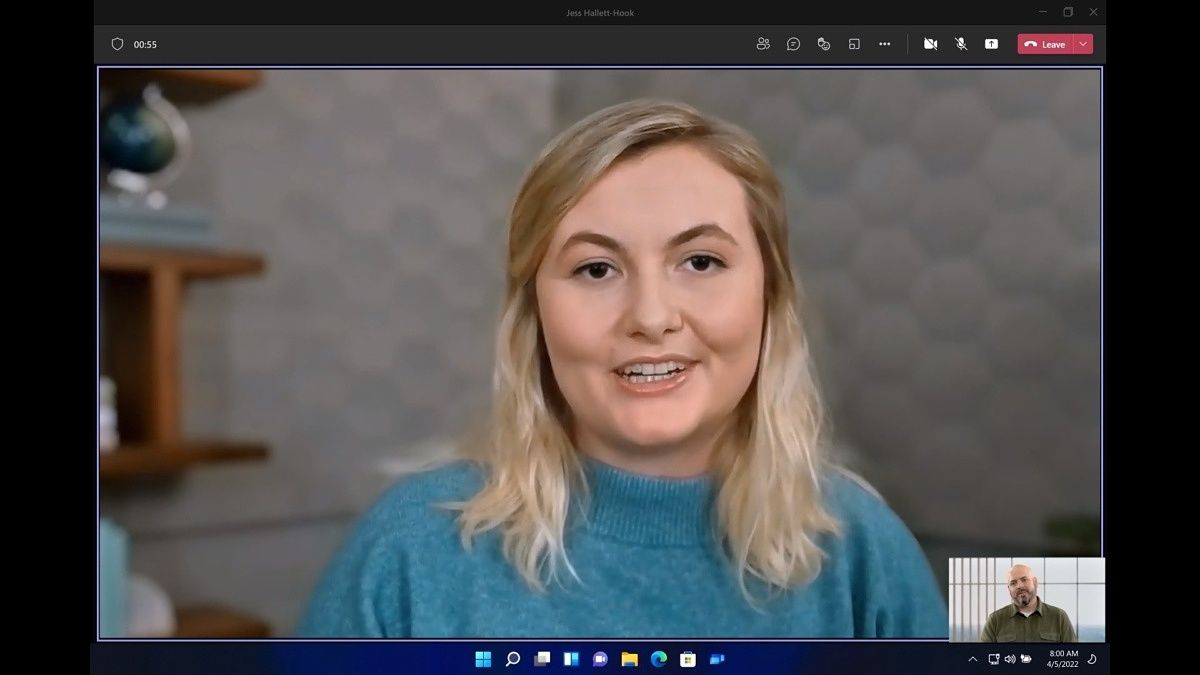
(714, 659)
(658, 659)
(483, 659)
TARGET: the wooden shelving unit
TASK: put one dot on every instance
(142, 303)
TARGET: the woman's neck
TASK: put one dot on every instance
(687, 459)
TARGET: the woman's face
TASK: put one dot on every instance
(651, 303)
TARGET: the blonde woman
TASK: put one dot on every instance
(653, 466)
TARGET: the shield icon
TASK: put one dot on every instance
(117, 43)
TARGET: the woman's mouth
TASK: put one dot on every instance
(653, 378)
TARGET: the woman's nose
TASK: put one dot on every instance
(652, 311)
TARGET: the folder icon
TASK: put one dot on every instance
(629, 659)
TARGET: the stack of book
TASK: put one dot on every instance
(124, 221)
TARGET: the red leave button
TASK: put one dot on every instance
(1055, 43)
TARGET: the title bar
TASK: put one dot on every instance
(595, 45)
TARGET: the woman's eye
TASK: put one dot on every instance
(703, 263)
(594, 270)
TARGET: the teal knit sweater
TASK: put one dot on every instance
(647, 567)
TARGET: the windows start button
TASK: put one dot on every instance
(1055, 43)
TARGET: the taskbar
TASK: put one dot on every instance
(352, 657)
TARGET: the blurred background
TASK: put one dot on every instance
(945, 227)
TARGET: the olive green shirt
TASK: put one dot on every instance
(1046, 624)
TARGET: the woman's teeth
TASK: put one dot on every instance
(639, 373)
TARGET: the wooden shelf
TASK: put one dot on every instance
(218, 622)
(192, 263)
(181, 85)
(231, 80)
(144, 460)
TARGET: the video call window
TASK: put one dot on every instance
(980, 587)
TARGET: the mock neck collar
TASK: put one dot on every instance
(648, 510)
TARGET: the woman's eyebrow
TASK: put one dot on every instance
(586, 237)
(711, 229)
(605, 241)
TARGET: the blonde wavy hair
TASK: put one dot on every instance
(769, 511)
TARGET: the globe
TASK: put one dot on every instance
(135, 138)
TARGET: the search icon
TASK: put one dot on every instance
(512, 660)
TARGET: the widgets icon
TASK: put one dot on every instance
(658, 659)
(991, 43)
(570, 658)
(931, 43)
(599, 659)
(629, 659)
(687, 660)
(716, 659)
(541, 659)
